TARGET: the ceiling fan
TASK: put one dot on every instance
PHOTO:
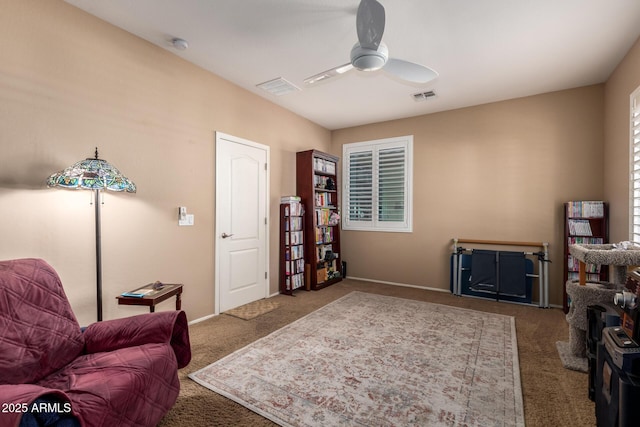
(370, 54)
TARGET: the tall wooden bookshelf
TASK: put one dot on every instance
(317, 185)
(292, 263)
(585, 222)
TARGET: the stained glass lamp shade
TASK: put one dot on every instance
(97, 175)
(92, 174)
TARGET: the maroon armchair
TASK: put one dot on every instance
(119, 372)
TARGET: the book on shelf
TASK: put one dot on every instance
(294, 267)
(290, 199)
(293, 238)
(322, 216)
(574, 265)
(323, 199)
(324, 166)
(582, 240)
(294, 252)
(324, 235)
(579, 227)
(585, 209)
(293, 223)
(293, 209)
(326, 183)
(139, 293)
(591, 277)
(294, 282)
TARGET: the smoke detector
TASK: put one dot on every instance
(179, 44)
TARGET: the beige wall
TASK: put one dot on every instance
(70, 82)
(498, 171)
(624, 80)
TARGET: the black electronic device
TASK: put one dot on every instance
(624, 352)
(598, 317)
(617, 380)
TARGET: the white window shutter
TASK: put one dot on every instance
(360, 187)
(377, 190)
(391, 184)
(635, 166)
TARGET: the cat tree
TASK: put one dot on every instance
(618, 257)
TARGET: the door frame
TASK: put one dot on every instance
(217, 226)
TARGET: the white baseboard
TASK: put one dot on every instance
(433, 289)
(399, 284)
(202, 319)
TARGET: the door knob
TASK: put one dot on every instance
(225, 235)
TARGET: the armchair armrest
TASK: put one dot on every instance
(151, 328)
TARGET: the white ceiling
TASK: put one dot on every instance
(483, 50)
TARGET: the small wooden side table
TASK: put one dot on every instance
(150, 296)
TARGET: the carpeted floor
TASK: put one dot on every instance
(553, 396)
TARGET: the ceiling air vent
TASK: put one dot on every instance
(278, 86)
(423, 96)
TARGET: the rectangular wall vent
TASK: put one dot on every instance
(278, 86)
(423, 96)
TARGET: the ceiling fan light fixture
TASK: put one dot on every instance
(316, 78)
(368, 59)
(343, 69)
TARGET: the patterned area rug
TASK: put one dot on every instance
(369, 360)
(253, 309)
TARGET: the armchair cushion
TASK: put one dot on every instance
(132, 386)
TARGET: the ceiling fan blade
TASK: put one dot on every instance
(370, 23)
(328, 74)
(409, 71)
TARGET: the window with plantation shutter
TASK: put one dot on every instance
(634, 187)
(377, 185)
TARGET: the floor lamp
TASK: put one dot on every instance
(97, 175)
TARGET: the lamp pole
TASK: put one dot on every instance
(98, 255)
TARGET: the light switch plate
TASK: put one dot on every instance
(187, 221)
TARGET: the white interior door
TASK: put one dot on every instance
(241, 232)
